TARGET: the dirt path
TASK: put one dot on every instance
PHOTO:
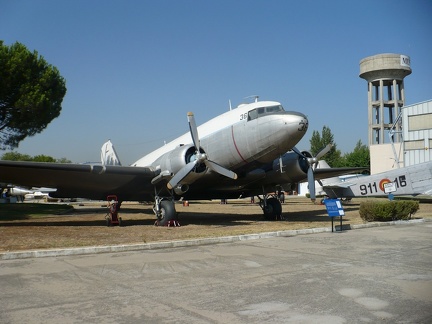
(85, 225)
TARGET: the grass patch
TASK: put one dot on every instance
(10, 212)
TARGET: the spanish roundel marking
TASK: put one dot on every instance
(382, 182)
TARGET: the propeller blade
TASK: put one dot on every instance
(297, 151)
(220, 169)
(193, 130)
(311, 162)
(323, 151)
(179, 176)
(311, 183)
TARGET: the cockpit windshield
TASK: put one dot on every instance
(262, 111)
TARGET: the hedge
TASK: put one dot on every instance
(383, 211)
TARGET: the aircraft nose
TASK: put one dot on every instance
(293, 128)
(293, 119)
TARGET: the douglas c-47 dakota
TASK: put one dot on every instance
(241, 153)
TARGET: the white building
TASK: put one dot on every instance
(417, 133)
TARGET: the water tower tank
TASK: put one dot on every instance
(385, 75)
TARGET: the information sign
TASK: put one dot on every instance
(334, 207)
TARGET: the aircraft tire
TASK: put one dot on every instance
(168, 212)
(273, 209)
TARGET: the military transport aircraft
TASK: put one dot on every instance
(241, 153)
(411, 180)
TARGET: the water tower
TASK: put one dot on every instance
(385, 75)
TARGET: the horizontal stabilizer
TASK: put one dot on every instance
(337, 186)
(335, 172)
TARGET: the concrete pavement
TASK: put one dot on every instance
(372, 275)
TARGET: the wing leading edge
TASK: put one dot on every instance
(81, 180)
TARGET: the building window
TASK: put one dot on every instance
(419, 122)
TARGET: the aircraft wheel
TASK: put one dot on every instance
(273, 209)
(168, 212)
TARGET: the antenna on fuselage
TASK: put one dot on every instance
(255, 97)
(230, 104)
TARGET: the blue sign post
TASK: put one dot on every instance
(334, 209)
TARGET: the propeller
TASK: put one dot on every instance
(312, 163)
(199, 159)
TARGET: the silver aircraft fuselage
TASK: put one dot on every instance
(243, 137)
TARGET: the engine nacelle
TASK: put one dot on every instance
(176, 159)
(294, 167)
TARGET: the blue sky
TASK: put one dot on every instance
(133, 69)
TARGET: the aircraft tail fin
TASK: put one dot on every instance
(324, 165)
(109, 155)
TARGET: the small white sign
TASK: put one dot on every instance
(389, 187)
(405, 61)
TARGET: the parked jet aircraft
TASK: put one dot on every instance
(11, 191)
(25, 193)
(410, 180)
(239, 153)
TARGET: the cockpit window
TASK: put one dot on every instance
(262, 111)
(273, 109)
(253, 114)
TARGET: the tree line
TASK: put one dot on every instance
(359, 157)
(15, 156)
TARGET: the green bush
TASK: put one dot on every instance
(384, 211)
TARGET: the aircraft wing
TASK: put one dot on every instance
(335, 172)
(81, 180)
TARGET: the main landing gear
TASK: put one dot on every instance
(165, 212)
(271, 207)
